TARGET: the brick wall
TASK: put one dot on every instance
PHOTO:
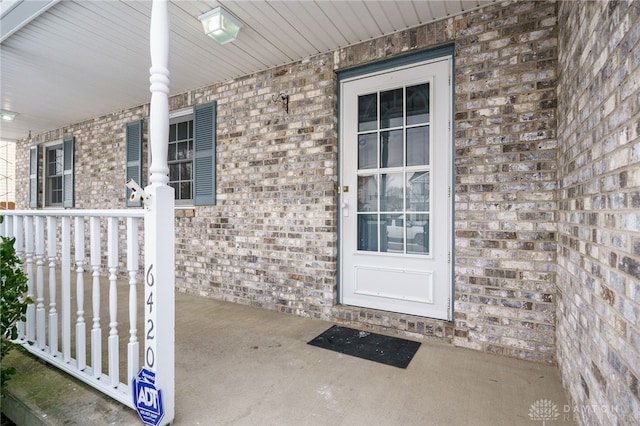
(599, 212)
(505, 175)
(271, 240)
(7, 175)
(99, 160)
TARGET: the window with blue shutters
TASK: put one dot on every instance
(53, 171)
(59, 185)
(191, 157)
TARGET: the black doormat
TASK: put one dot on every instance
(374, 347)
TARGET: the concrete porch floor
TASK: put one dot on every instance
(238, 365)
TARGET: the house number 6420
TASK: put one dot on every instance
(150, 355)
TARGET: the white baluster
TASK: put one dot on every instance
(159, 222)
(65, 273)
(96, 331)
(112, 242)
(81, 348)
(40, 312)
(8, 227)
(31, 313)
(18, 232)
(132, 267)
(53, 314)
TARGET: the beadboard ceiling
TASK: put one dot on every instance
(66, 61)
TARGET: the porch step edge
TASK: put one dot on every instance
(19, 412)
(41, 395)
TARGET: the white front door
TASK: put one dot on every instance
(396, 190)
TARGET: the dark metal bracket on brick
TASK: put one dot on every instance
(282, 98)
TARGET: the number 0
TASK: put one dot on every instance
(151, 357)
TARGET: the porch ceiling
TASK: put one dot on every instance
(63, 62)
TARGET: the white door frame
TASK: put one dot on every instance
(445, 279)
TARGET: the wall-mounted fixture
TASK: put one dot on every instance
(7, 115)
(220, 25)
(282, 98)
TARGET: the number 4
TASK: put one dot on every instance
(150, 301)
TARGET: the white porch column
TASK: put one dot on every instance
(159, 279)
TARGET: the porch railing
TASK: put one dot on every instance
(44, 237)
(58, 329)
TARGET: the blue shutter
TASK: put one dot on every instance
(134, 159)
(204, 154)
(33, 177)
(68, 198)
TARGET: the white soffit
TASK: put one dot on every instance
(63, 62)
(15, 14)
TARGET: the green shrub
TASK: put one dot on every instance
(14, 300)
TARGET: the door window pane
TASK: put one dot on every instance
(418, 191)
(418, 104)
(391, 192)
(391, 110)
(391, 148)
(417, 232)
(394, 133)
(393, 227)
(368, 232)
(418, 146)
(367, 151)
(368, 112)
(367, 194)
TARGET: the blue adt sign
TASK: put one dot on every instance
(147, 399)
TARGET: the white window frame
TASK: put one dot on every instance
(46, 202)
(175, 117)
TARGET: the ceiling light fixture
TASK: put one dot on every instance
(7, 115)
(220, 25)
